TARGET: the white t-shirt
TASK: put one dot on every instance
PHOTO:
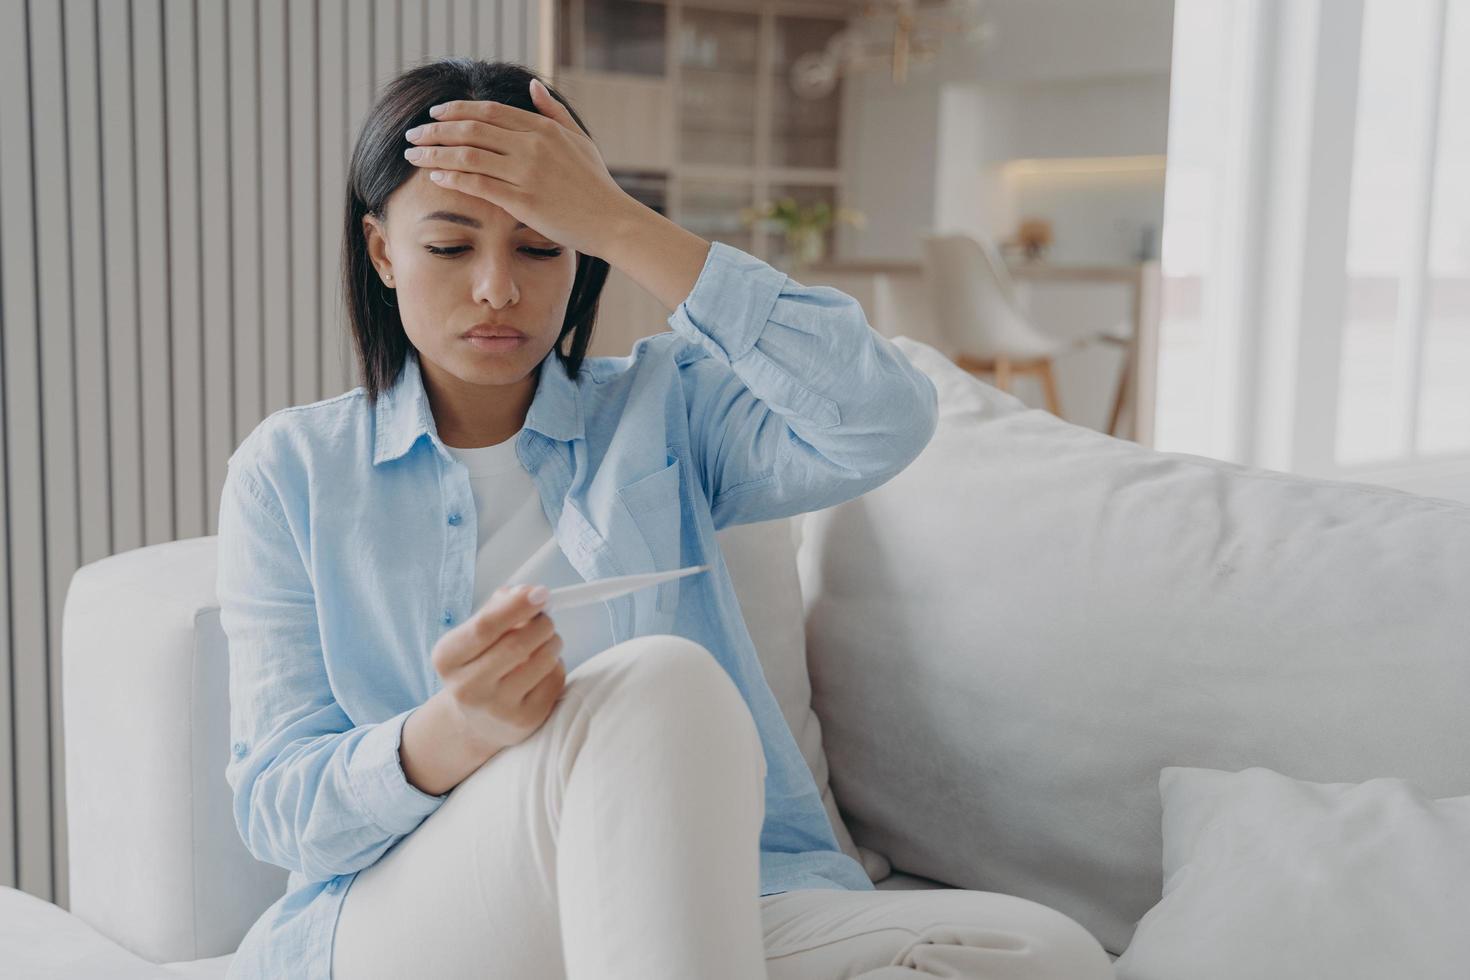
(515, 545)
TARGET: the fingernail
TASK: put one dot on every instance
(436, 176)
(435, 110)
(538, 594)
(414, 133)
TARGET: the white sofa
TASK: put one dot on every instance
(1003, 645)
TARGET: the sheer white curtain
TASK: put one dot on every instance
(1316, 248)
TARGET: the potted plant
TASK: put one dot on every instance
(804, 226)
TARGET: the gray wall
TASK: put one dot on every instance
(170, 191)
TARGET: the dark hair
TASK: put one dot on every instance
(378, 168)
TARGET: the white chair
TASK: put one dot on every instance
(978, 314)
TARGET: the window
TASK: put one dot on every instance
(1444, 398)
(1404, 382)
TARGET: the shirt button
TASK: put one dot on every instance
(448, 618)
(238, 749)
(454, 518)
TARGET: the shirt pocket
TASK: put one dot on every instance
(654, 505)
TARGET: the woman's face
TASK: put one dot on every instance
(458, 263)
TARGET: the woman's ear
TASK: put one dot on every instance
(377, 247)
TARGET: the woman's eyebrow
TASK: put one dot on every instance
(461, 219)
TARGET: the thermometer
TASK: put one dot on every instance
(572, 596)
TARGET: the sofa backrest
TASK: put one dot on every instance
(156, 863)
(1058, 614)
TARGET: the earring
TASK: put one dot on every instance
(387, 293)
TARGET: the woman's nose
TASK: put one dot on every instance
(495, 284)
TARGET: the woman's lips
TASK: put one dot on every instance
(497, 343)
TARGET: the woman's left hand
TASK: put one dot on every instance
(541, 168)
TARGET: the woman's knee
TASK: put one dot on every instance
(671, 678)
(657, 663)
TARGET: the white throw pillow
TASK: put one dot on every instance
(1267, 876)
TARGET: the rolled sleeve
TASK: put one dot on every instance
(799, 404)
(377, 777)
(730, 303)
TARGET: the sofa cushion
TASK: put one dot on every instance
(1009, 640)
(762, 562)
(1270, 876)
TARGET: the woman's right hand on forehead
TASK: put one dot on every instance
(502, 667)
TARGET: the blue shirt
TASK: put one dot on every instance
(347, 547)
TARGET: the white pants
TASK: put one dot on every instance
(621, 842)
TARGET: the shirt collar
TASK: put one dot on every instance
(403, 413)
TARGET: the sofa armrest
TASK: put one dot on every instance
(155, 862)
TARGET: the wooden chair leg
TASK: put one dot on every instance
(1049, 384)
(1122, 392)
(1003, 373)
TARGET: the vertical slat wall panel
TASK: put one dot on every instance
(11, 114)
(507, 28)
(302, 100)
(8, 836)
(151, 180)
(30, 812)
(359, 58)
(171, 184)
(58, 408)
(385, 44)
(246, 284)
(437, 39)
(412, 20)
(120, 216)
(185, 269)
(216, 251)
(465, 26)
(275, 203)
(336, 363)
(89, 281)
(89, 309)
(490, 27)
(58, 412)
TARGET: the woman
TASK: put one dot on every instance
(407, 739)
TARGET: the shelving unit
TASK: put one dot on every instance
(690, 105)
